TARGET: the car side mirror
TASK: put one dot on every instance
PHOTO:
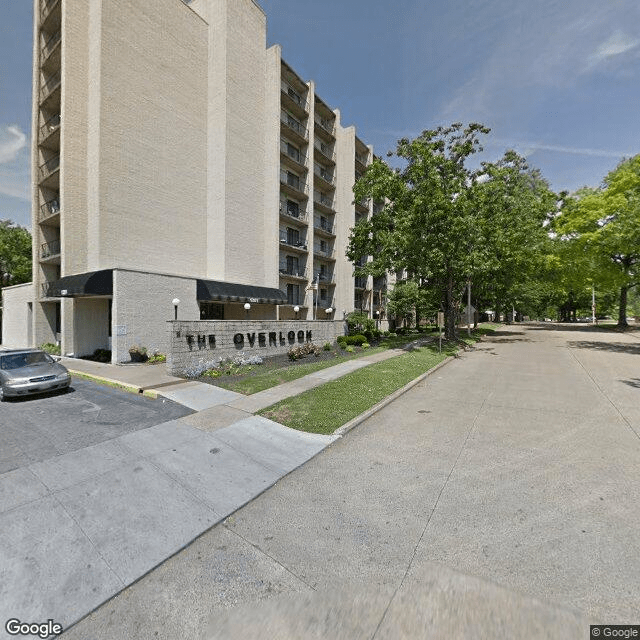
(57, 358)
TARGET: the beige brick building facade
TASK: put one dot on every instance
(175, 156)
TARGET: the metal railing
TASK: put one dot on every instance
(49, 208)
(324, 278)
(301, 214)
(362, 159)
(325, 124)
(293, 124)
(48, 290)
(287, 89)
(50, 44)
(294, 154)
(48, 167)
(50, 126)
(297, 243)
(46, 6)
(49, 85)
(322, 199)
(50, 249)
(326, 151)
(293, 273)
(327, 176)
(324, 226)
(326, 253)
(295, 182)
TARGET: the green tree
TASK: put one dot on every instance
(15, 254)
(604, 225)
(427, 226)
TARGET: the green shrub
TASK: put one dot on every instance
(365, 345)
(342, 340)
(349, 349)
(157, 357)
(53, 349)
(359, 322)
(356, 340)
(327, 346)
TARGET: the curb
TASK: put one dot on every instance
(345, 428)
(131, 388)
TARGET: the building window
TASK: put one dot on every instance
(292, 265)
(293, 236)
(293, 209)
(293, 294)
(323, 246)
(323, 294)
(211, 311)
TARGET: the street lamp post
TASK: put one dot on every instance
(175, 303)
(296, 310)
(329, 311)
(376, 313)
(247, 306)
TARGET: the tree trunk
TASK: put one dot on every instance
(449, 311)
(622, 312)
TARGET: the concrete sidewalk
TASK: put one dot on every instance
(496, 499)
(78, 528)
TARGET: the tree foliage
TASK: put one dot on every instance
(15, 254)
(601, 227)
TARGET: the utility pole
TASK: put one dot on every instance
(593, 304)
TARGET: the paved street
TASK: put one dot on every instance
(498, 496)
(37, 428)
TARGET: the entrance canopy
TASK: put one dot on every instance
(230, 292)
(94, 283)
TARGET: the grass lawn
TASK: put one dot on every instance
(259, 380)
(325, 408)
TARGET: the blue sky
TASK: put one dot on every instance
(557, 80)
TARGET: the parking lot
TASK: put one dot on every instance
(37, 428)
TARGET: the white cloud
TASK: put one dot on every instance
(12, 141)
(617, 44)
(529, 148)
(15, 179)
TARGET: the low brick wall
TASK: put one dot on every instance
(195, 343)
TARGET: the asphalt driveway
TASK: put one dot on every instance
(38, 428)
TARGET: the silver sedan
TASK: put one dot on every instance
(28, 371)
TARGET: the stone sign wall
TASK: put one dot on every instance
(194, 344)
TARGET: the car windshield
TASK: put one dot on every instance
(17, 360)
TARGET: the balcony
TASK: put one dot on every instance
(292, 98)
(325, 126)
(49, 167)
(326, 177)
(49, 209)
(299, 215)
(324, 228)
(323, 201)
(292, 274)
(290, 242)
(46, 7)
(360, 283)
(327, 253)
(51, 45)
(362, 205)
(51, 126)
(50, 250)
(361, 159)
(294, 127)
(325, 151)
(48, 291)
(293, 184)
(293, 155)
(325, 277)
(49, 85)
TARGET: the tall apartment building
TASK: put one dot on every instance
(175, 156)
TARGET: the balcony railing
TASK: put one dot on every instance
(295, 182)
(49, 208)
(49, 126)
(293, 242)
(50, 249)
(362, 159)
(286, 88)
(294, 154)
(300, 214)
(324, 278)
(293, 124)
(49, 85)
(326, 151)
(325, 124)
(325, 253)
(293, 273)
(323, 199)
(48, 290)
(327, 176)
(50, 44)
(324, 226)
(361, 283)
(46, 6)
(48, 167)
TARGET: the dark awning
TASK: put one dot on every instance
(231, 292)
(94, 283)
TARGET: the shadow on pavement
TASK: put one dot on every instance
(615, 347)
(635, 382)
